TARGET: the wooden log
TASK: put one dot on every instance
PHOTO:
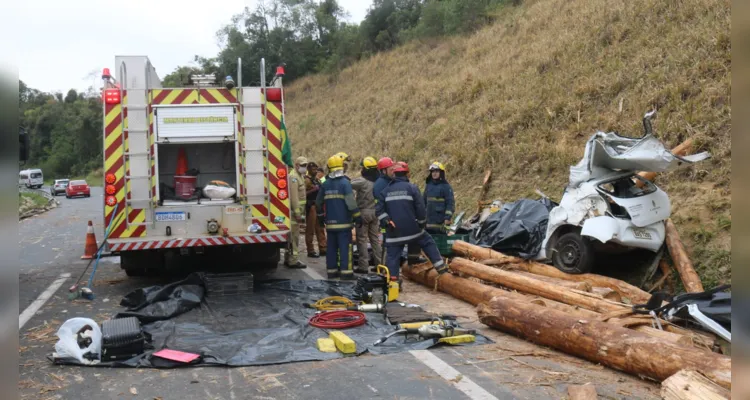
(626, 290)
(666, 270)
(582, 286)
(533, 286)
(476, 293)
(582, 392)
(607, 293)
(691, 385)
(592, 315)
(623, 349)
(682, 263)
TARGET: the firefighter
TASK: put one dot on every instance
(385, 168)
(297, 198)
(363, 190)
(401, 212)
(336, 209)
(438, 196)
(346, 160)
(413, 252)
(312, 229)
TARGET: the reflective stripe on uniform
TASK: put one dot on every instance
(439, 264)
(403, 239)
(436, 199)
(421, 221)
(434, 225)
(383, 216)
(338, 226)
(356, 214)
(394, 198)
(334, 196)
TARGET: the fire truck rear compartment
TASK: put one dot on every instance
(211, 161)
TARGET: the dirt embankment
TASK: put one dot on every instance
(522, 96)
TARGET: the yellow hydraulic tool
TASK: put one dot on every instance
(430, 331)
(393, 287)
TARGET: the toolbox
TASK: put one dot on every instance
(122, 339)
(445, 243)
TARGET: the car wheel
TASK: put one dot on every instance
(573, 254)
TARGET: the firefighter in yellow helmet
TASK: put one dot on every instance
(363, 191)
(438, 196)
(346, 160)
(338, 212)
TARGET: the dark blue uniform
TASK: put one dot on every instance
(337, 207)
(401, 203)
(438, 196)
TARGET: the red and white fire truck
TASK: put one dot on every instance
(163, 146)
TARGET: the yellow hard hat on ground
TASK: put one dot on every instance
(369, 162)
(335, 163)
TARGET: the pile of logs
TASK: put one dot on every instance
(582, 315)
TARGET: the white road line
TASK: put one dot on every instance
(313, 274)
(461, 382)
(39, 302)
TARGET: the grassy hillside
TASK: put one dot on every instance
(522, 97)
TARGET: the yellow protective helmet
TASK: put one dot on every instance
(335, 163)
(369, 162)
(437, 166)
(344, 157)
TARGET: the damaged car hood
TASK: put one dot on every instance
(606, 152)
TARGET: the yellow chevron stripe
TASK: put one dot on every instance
(171, 96)
(268, 225)
(274, 110)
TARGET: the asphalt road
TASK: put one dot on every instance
(51, 244)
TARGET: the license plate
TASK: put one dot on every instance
(234, 209)
(641, 234)
(170, 216)
(80, 192)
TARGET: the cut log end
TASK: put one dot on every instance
(691, 385)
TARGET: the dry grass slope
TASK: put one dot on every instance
(522, 96)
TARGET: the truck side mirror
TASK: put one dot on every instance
(23, 146)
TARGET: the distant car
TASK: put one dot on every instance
(59, 186)
(78, 188)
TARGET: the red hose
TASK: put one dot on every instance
(338, 319)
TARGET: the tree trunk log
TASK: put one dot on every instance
(607, 293)
(682, 263)
(626, 290)
(525, 284)
(619, 348)
(582, 286)
(691, 385)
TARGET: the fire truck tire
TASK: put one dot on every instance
(135, 271)
(132, 262)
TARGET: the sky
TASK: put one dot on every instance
(58, 45)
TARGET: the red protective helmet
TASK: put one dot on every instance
(384, 163)
(401, 167)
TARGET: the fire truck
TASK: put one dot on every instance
(164, 148)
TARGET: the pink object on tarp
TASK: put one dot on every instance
(176, 355)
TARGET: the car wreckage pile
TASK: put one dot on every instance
(607, 204)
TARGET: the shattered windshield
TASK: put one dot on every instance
(627, 187)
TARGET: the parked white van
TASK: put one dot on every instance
(31, 178)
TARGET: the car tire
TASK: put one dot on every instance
(573, 254)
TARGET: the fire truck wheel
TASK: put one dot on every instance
(135, 272)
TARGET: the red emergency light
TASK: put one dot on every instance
(280, 70)
(106, 74)
(273, 94)
(112, 96)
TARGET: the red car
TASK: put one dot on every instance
(78, 188)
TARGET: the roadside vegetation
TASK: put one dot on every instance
(522, 95)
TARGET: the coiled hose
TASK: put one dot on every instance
(338, 319)
(331, 303)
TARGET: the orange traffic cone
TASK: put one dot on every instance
(182, 164)
(90, 250)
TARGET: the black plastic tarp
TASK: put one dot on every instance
(518, 229)
(269, 326)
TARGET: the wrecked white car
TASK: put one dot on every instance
(607, 207)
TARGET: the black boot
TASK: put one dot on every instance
(333, 275)
(297, 265)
